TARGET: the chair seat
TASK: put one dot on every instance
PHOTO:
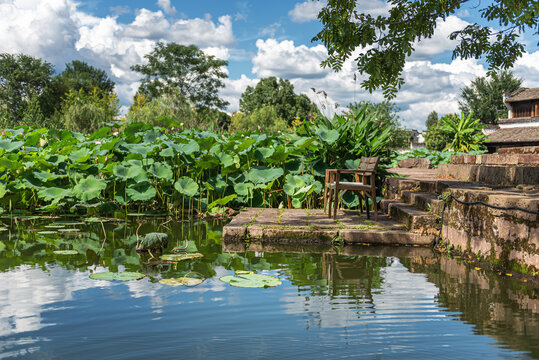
(350, 185)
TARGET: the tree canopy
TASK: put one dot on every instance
(484, 96)
(388, 40)
(79, 75)
(280, 95)
(23, 79)
(183, 71)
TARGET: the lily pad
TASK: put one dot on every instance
(251, 280)
(65, 252)
(117, 276)
(187, 281)
(68, 230)
(54, 226)
(3, 229)
(68, 223)
(46, 232)
(181, 257)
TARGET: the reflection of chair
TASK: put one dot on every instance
(364, 186)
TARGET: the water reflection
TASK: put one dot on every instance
(374, 300)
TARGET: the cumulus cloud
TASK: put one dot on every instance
(440, 41)
(165, 5)
(284, 59)
(306, 11)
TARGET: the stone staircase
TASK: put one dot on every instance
(415, 203)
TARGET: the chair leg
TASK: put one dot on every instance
(336, 204)
(366, 198)
(375, 206)
(325, 197)
(330, 201)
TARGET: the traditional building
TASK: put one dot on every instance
(521, 128)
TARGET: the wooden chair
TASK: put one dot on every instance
(364, 186)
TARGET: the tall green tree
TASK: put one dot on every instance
(23, 80)
(432, 120)
(80, 75)
(484, 96)
(280, 95)
(183, 71)
(389, 40)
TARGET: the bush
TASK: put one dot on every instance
(264, 118)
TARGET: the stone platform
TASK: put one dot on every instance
(308, 226)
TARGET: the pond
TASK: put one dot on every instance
(367, 302)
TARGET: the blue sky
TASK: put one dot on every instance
(257, 38)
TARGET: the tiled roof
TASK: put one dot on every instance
(523, 94)
(521, 120)
(516, 134)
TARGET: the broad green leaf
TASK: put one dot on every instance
(162, 171)
(79, 156)
(222, 201)
(53, 193)
(263, 153)
(264, 175)
(186, 186)
(89, 188)
(9, 145)
(189, 148)
(117, 276)
(141, 191)
(327, 136)
(251, 280)
(3, 190)
(244, 189)
(151, 135)
(65, 252)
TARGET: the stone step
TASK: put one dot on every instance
(396, 186)
(423, 201)
(496, 159)
(385, 237)
(414, 220)
(491, 174)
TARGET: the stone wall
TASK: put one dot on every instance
(507, 237)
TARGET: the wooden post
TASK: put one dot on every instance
(536, 109)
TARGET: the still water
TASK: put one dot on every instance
(355, 302)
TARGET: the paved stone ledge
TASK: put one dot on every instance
(307, 226)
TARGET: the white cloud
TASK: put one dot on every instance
(165, 5)
(271, 30)
(233, 90)
(284, 59)
(306, 11)
(527, 68)
(440, 41)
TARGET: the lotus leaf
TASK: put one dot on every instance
(187, 281)
(117, 276)
(69, 223)
(9, 145)
(79, 156)
(65, 252)
(263, 153)
(189, 148)
(47, 176)
(53, 193)
(101, 133)
(186, 186)
(327, 136)
(226, 159)
(141, 191)
(54, 226)
(151, 135)
(222, 201)
(181, 257)
(46, 232)
(264, 175)
(68, 230)
(251, 280)
(244, 189)
(167, 152)
(3, 190)
(89, 188)
(162, 171)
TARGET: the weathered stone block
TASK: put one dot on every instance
(421, 163)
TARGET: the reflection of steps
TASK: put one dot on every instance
(514, 167)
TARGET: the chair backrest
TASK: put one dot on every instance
(368, 164)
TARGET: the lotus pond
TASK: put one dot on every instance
(306, 303)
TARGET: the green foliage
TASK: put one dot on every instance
(386, 114)
(87, 112)
(265, 118)
(464, 132)
(389, 40)
(165, 106)
(432, 120)
(436, 138)
(23, 80)
(280, 95)
(184, 72)
(79, 75)
(484, 96)
(435, 157)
